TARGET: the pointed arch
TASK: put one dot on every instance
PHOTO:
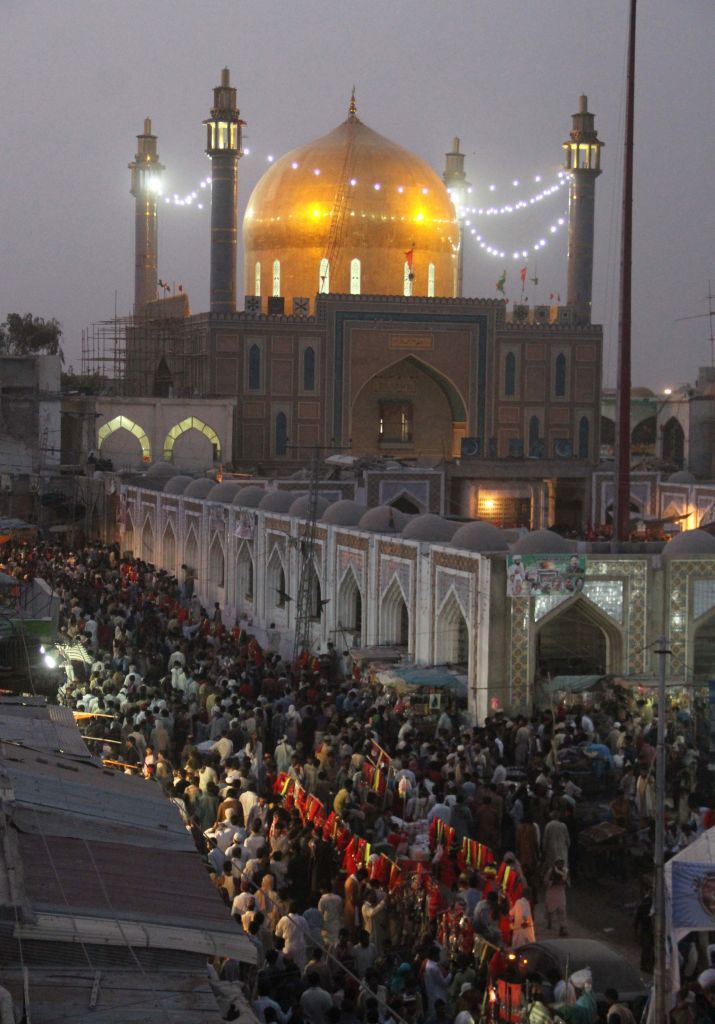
(276, 277)
(217, 563)
(350, 603)
(578, 638)
(128, 538)
(430, 280)
(124, 423)
(191, 423)
(148, 540)
(510, 375)
(394, 616)
(245, 572)
(257, 279)
(168, 548)
(407, 503)
(324, 276)
(275, 582)
(452, 637)
(355, 276)
(452, 393)
(674, 443)
(191, 550)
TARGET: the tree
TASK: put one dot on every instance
(28, 335)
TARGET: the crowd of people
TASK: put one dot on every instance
(304, 786)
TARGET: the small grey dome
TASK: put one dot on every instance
(429, 527)
(199, 488)
(543, 542)
(480, 536)
(248, 497)
(384, 519)
(177, 484)
(162, 469)
(681, 477)
(690, 543)
(277, 501)
(344, 513)
(300, 506)
(225, 491)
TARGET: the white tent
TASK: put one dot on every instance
(689, 898)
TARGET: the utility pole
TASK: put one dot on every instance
(658, 860)
(302, 636)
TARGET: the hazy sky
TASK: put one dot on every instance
(79, 76)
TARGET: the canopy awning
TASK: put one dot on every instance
(435, 677)
(574, 684)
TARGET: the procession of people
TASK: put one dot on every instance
(385, 867)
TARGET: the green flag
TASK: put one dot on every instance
(501, 282)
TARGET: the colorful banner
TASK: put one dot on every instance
(693, 895)
(534, 575)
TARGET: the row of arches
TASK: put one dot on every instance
(645, 434)
(190, 423)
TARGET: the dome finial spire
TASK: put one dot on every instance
(352, 109)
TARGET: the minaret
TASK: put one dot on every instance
(583, 165)
(146, 189)
(455, 179)
(223, 146)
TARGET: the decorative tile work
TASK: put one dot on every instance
(347, 559)
(703, 597)
(278, 525)
(683, 604)
(461, 585)
(631, 573)
(390, 568)
(348, 540)
(401, 550)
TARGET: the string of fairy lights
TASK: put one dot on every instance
(471, 217)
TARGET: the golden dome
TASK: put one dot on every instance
(350, 196)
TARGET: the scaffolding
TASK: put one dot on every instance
(154, 355)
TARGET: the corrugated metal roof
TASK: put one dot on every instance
(64, 997)
(43, 728)
(86, 799)
(104, 879)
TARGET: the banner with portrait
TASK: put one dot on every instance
(534, 575)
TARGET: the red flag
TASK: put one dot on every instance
(522, 275)
(409, 256)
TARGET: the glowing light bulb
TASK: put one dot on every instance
(537, 178)
(492, 188)
(246, 151)
(294, 165)
(316, 170)
(377, 186)
(515, 183)
(269, 158)
(425, 191)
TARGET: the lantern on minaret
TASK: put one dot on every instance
(146, 188)
(224, 148)
(583, 166)
(458, 187)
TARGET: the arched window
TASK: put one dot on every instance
(309, 369)
(355, 277)
(510, 375)
(281, 433)
(534, 440)
(254, 368)
(560, 376)
(430, 281)
(257, 286)
(583, 437)
(276, 277)
(407, 284)
(324, 277)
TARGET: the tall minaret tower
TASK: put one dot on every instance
(146, 189)
(455, 179)
(223, 146)
(583, 165)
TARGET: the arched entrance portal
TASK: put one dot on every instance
(704, 648)
(451, 634)
(674, 443)
(576, 639)
(394, 617)
(408, 407)
(350, 605)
